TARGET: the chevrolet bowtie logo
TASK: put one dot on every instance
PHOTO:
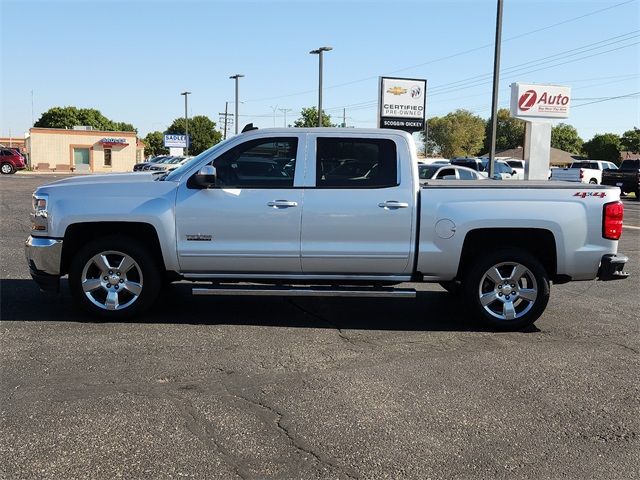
(397, 90)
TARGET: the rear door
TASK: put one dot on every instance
(359, 206)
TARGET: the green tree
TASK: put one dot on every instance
(202, 131)
(309, 118)
(154, 144)
(459, 133)
(509, 132)
(69, 117)
(605, 146)
(630, 140)
(565, 137)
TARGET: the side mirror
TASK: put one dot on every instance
(513, 172)
(206, 177)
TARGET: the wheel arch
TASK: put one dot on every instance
(539, 242)
(78, 234)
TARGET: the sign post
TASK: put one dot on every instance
(402, 103)
(537, 105)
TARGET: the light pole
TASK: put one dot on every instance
(186, 121)
(319, 52)
(494, 100)
(236, 77)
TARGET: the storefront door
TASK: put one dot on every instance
(81, 159)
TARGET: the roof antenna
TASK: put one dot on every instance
(249, 127)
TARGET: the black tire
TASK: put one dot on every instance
(452, 286)
(145, 275)
(510, 296)
(593, 181)
(638, 195)
(7, 169)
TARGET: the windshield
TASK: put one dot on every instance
(177, 173)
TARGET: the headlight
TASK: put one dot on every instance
(40, 214)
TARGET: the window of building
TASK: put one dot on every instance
(107, 157)
(263, 163)
(356, 163)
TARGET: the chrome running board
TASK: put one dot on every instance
(280, 291)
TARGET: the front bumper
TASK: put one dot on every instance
(44, 256)
(612, 267)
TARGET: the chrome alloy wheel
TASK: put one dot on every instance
(508, 290)
(112, 280)
(6, 168)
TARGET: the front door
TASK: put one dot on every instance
(249, 223)
(82, 159)
(358, 216)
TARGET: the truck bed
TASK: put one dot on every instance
(519, 185)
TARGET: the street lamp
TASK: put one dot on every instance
(319, 52)
(236, 119)
(494, 99)
(186, 122)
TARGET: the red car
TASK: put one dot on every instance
(10, 161)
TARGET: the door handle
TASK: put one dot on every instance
(282, 204)
(392, 205)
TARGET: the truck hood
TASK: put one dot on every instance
(107, 178)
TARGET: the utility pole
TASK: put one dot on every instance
(344, 118)
(274, 110)
(494, 100)
(32, 118)
(285, 110)
(186, 121)
(236, 77)
(225, 115)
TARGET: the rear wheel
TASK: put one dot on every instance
(508, 289)
(593, 181)
(7, 168)
(114, 277)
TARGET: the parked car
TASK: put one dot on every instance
(517, 166)
(448, 172)
(627, 177)
(502, 170)
(320, 212)
(584, 171)
(138, 167)
(11, 160)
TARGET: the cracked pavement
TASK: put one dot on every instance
(277, 388)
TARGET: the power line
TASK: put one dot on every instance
(464, 52)
(606, 99)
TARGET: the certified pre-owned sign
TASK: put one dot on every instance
(540, 101)
(402, 103)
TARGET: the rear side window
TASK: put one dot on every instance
(630, 165)
(466, 175)
(356, 163)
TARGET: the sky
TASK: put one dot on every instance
(131, 59)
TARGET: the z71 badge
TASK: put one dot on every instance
(590, 194)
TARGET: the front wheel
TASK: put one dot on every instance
(114, 277)
(7, 168)
(508, 289)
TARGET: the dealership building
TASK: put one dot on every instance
(83, 150)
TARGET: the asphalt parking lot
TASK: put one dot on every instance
(236, 387)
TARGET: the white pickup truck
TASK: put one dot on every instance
(584, 171)
(320, 212)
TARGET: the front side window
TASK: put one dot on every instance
(107, 157)
(356, 163)
(446, 172)
(264, 163)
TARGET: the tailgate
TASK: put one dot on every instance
(566, 174)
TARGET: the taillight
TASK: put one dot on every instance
(581, 174)
(612, 220)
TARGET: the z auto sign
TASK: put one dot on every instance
(540, 101)
(402, 103)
